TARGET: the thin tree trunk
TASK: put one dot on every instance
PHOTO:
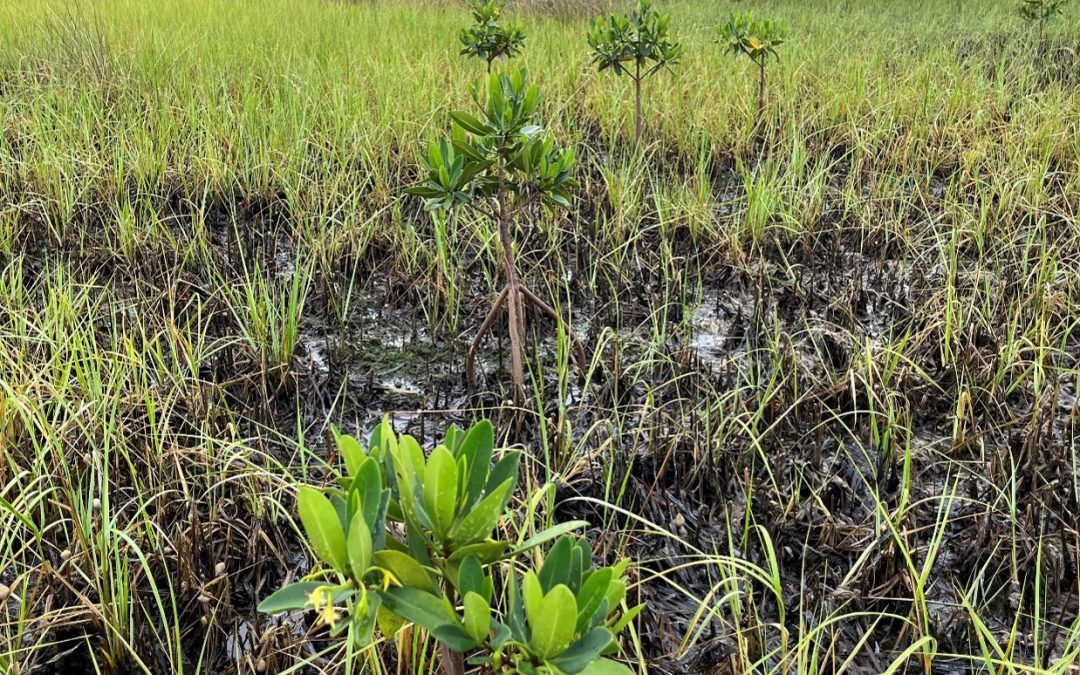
(761, 89)
(453, 663)
(637, 104)
(517, 316)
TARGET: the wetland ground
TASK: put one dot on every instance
(830, 403)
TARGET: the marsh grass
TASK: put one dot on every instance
(831, 402)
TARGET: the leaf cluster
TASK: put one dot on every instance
(501, 149)
(487, 39)
(743, 34)
(1041, 10)
(405, 537)
(638, 44)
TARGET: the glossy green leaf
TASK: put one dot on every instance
(352, 452)
(440, 490)
(583, 651)
(359, 545)
(532, 595)
(626, 618)
(605, 667)
(470, 123)
(505, 469)
(470, 576)
(368, 484)
(552, 624)
(323, 528)
(389, 623)
(293, 596)
(453, 636)
(479, 523)
(487, 551)
(405, 569)
(477, 447)
(592, 595)
(557, 566)
(422, 608)
(477, 616)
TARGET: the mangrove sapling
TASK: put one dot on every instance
(637, 45)
(408, 538)
(487, 39)
(501, 165)
(758, 40)
(1041, 12)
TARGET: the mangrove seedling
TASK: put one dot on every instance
(501, 165)
(758, 40)
(487, 39)
(637, 45)
(1041, 12)
(404, 537)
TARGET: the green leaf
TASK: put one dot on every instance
(440, 490)
(378, 527)
(506, 468)
(408, 467)
(583, 651)
(482, 519)
(352, 452)
(616, 591)
(453, 636)
(472, 152)
(368, 485)
(557, 566)
(553, 623)
(364, 625)
(389, 623)
(470, 576)
(359, 545)
(626, 618)
(487, 551)
(532, 595)
(426, 191)
(293, 596)
(549, 534)
(382, 439)
(477, 447)
(405, 569)
(592, 595)
(515, 613)
(470, 123)
(605, 667)
(341, 508)
(323, 528)
(477, 616)
(422, 608)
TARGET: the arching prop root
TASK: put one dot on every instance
(516, 295)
